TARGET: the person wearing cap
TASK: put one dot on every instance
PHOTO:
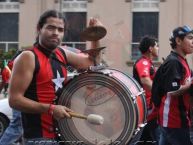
(174, 109)
(144, 72)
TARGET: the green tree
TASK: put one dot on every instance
(6, 56)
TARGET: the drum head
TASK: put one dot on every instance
(96, 93)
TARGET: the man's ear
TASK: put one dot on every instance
(38, 29)
(178, 41)
(150, 48)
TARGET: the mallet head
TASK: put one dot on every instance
(95, 119)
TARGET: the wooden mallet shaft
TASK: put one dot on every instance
(91, 118)
(77, 115)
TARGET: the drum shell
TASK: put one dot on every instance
(124, 86)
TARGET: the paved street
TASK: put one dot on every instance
(1, 96)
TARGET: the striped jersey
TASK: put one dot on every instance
(46, 86)
(174, 111)
(145, 68)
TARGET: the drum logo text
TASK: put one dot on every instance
(99, 96)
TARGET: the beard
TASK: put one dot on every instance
(50, 45)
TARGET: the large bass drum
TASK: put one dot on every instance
(115, 96)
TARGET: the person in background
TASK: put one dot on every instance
(144, 72)
(6, 74)
(174, 109)
(14, 131)
(38, 79)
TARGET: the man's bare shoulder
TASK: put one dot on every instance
(26, 55)
(26, 59)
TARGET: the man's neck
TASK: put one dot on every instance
(148, 55)
(180, 52)
(43, 49)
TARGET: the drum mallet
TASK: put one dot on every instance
(91, 118)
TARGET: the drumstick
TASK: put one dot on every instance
(91, 118)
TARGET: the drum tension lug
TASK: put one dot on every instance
(138, 94)
(136, 131)
(142, 125)
(56, 129)
(133, 97)
(97, 67)
(72, 75)
(139, 128)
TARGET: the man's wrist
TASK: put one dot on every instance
(51, 109)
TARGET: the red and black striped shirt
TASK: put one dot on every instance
(174, 111)
(48, 81)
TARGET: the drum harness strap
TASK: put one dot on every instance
(69, 68)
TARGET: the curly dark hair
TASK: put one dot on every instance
(146, 42)
(175, 34)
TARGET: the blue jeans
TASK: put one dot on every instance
(14, 131)
(191, 135)
(40, 141)
(174, 136)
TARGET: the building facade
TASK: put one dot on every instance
(126, 22)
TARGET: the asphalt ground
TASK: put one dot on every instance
(1, 96)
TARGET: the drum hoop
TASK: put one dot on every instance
(141, 93)
(71, 85)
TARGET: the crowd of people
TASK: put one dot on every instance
(37, 81)
(171, 106)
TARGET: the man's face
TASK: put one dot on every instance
(187, 44)
(51, 34)
(155, 50)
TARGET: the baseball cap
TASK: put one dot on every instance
(181, 31)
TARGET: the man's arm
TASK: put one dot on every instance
(82, 60)
(147, 82)
(173, 75)
(21, 78)
(181, 91)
